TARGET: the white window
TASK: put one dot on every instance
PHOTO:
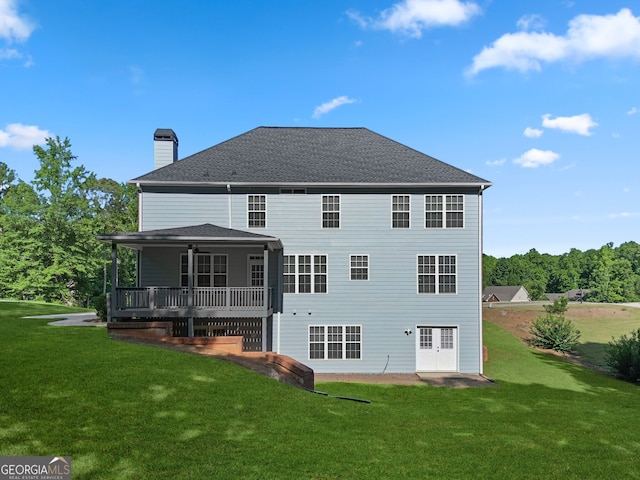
(437, 274)
(454, 210)
(444, 211)
(305, 274)
(335, 342)
(359, 267)
(256, 211)
(400, 211)
(208, 270)
(330, 211)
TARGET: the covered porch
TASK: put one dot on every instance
(208, 280)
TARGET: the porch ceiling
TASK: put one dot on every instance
(197, 234)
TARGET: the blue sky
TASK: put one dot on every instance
(540, 97)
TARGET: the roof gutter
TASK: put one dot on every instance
(481, 185)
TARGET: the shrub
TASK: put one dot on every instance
(100, 304)
(559, 306)
(554, 332)
(623, 356)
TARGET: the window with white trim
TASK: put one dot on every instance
(359, 267)
(437, 274)
(444, 211)
(330, 211)
(305, 274)
(256, 211)
(208, 270)
(400, 211)
(454, 210)
(335, 342)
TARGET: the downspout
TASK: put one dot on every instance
(229, 201)
(480, 240)
(139, 206)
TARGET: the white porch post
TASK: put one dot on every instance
(190, 290)
(265, 286)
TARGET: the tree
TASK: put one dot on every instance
(559, 306)
(48, 248)
(115, 206)
(611, 274)
(554, 332)
(19, 248)
(7, 177)
(488, 266)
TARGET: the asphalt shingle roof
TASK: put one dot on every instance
(299, 155)
(197, 233)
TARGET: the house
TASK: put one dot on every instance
(574, 295)
(505, 294)
(339, 247)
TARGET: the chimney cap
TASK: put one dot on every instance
(165, 134)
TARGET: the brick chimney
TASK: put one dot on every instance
(165, 147)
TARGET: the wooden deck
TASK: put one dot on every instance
(204, 302)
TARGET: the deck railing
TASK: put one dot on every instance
(215, 298)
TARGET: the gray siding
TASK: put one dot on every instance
(385, 305)
(160, 210)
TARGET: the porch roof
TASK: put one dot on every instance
(196, 234)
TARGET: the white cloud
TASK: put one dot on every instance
(13, 27)
(22, 137)
(580, 124)
(332, 104)
(9, 53)
(411, 17)
(588, 36)
(496, 163)
(633, 111)
(531, 22)
(624, 215)
(532, 132)
(534, 158)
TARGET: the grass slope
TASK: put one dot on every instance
(127, 411)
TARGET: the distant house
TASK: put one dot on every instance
(574, 295)
(505, 294)
(338, 247)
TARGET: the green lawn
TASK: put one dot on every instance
(128, 411)
(597, 332)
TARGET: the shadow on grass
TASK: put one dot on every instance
(595, 379)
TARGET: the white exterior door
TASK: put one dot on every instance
(437, 349)
(255, 271)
